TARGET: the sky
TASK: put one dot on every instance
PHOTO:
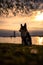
(30, 13)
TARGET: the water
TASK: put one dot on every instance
(17, 40)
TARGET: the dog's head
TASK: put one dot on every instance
(23, 28)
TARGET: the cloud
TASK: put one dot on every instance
(1, 22)
(21, 7)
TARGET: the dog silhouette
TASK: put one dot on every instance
(25, 36)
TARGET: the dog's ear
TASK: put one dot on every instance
(21, 25)
(25, 25)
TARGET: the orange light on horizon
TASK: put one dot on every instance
(34, 21)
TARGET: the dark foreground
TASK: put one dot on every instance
(11, 54)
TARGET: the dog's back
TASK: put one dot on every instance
(26, 38)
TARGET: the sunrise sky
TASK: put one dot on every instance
(34, 18)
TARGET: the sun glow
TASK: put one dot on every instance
(40, 40)
(39, 16)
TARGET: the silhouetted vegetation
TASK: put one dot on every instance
(11, 54)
